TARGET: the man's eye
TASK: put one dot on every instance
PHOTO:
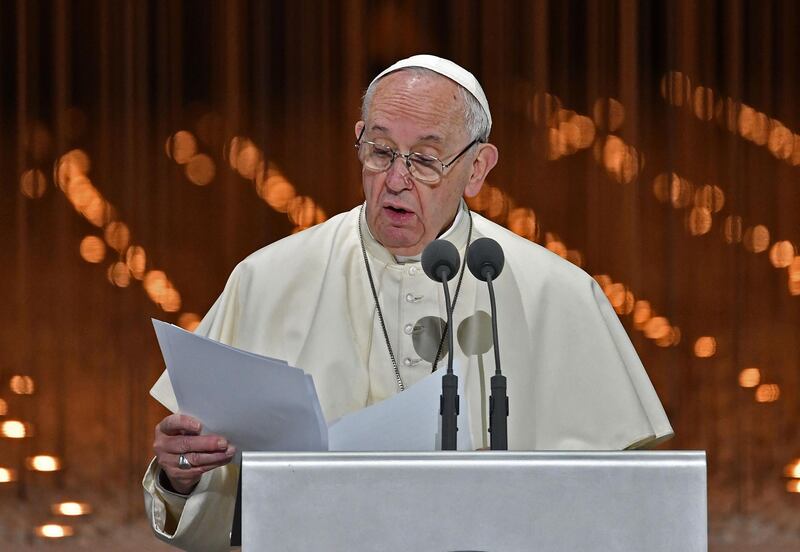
(378, 151)
(424, 161)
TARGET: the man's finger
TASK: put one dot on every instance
(203, 459)
(184, 444)
(178, 424)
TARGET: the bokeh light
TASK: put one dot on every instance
(705, 347)
(662, 186)
(21, 385)
(71, 508)
(72, 164)
(155, 283)
(732, 229)
(201, 169)
(641, 313)
(119, 274)
(793, 274)
(170, 300)
(681, 192)
(792, 469)
(522, 221)
(136, 259)
(781, 141)
(672, 338)
(43, 463)
(93, 249)
(554, 244)
(302, 211)
(608, 114)
(703, 103)
(795, 158)
(7, 475)
(756, 239)
(657, 327)
(15, 429)
(768, 392)
(54, 531)
(118, 235)
(699, 221)
(726, 113)
(181, 147)
(33, 183)
(749, 377)
(710, 197)
(248, 159)
(189, 321)
(782, 254)
(676, 88)
(277, 191)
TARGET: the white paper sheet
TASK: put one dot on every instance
(257, 403)
(409, 421)
(263, 404)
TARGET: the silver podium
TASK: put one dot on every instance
(474, 501)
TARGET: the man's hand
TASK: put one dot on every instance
(180, 434)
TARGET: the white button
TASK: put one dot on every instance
(411, 298)
(408, 329)
(411, 361)
(407, 361)
(412, 270)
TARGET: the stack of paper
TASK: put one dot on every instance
(263, 404)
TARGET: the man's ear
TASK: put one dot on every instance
(359, 126)
(483, 163)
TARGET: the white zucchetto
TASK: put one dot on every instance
(446, 68)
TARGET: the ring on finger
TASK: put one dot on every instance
(183, 463)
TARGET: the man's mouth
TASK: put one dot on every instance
(397, 214)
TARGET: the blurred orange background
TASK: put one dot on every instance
(146, 147)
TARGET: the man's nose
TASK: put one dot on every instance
(398, 177)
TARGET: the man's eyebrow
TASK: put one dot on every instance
(379, 128)
(431, 138)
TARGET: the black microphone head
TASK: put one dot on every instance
(440, 256)
(485, 258)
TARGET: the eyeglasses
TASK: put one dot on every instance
(426, 169)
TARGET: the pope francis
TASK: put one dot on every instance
(347, 301)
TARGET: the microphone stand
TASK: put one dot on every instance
(498, 401)
(448, 400)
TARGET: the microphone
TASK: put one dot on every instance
(440, 260)
(485, 260)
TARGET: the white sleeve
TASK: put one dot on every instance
(202, 521)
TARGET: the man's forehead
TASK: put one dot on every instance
(431, 137)
(431, 100)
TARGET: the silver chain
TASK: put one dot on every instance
(400, 384)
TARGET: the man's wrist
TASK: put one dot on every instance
(166, 485)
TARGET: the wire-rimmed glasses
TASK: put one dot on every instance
(426, 169)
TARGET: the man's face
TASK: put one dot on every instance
(423, 114)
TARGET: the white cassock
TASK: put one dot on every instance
(575, 381)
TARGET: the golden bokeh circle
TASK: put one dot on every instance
(200, 169)
(92, 249)
(705, 347)
(33, 183)
(181, 147)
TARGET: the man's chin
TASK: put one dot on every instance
(400, 242)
